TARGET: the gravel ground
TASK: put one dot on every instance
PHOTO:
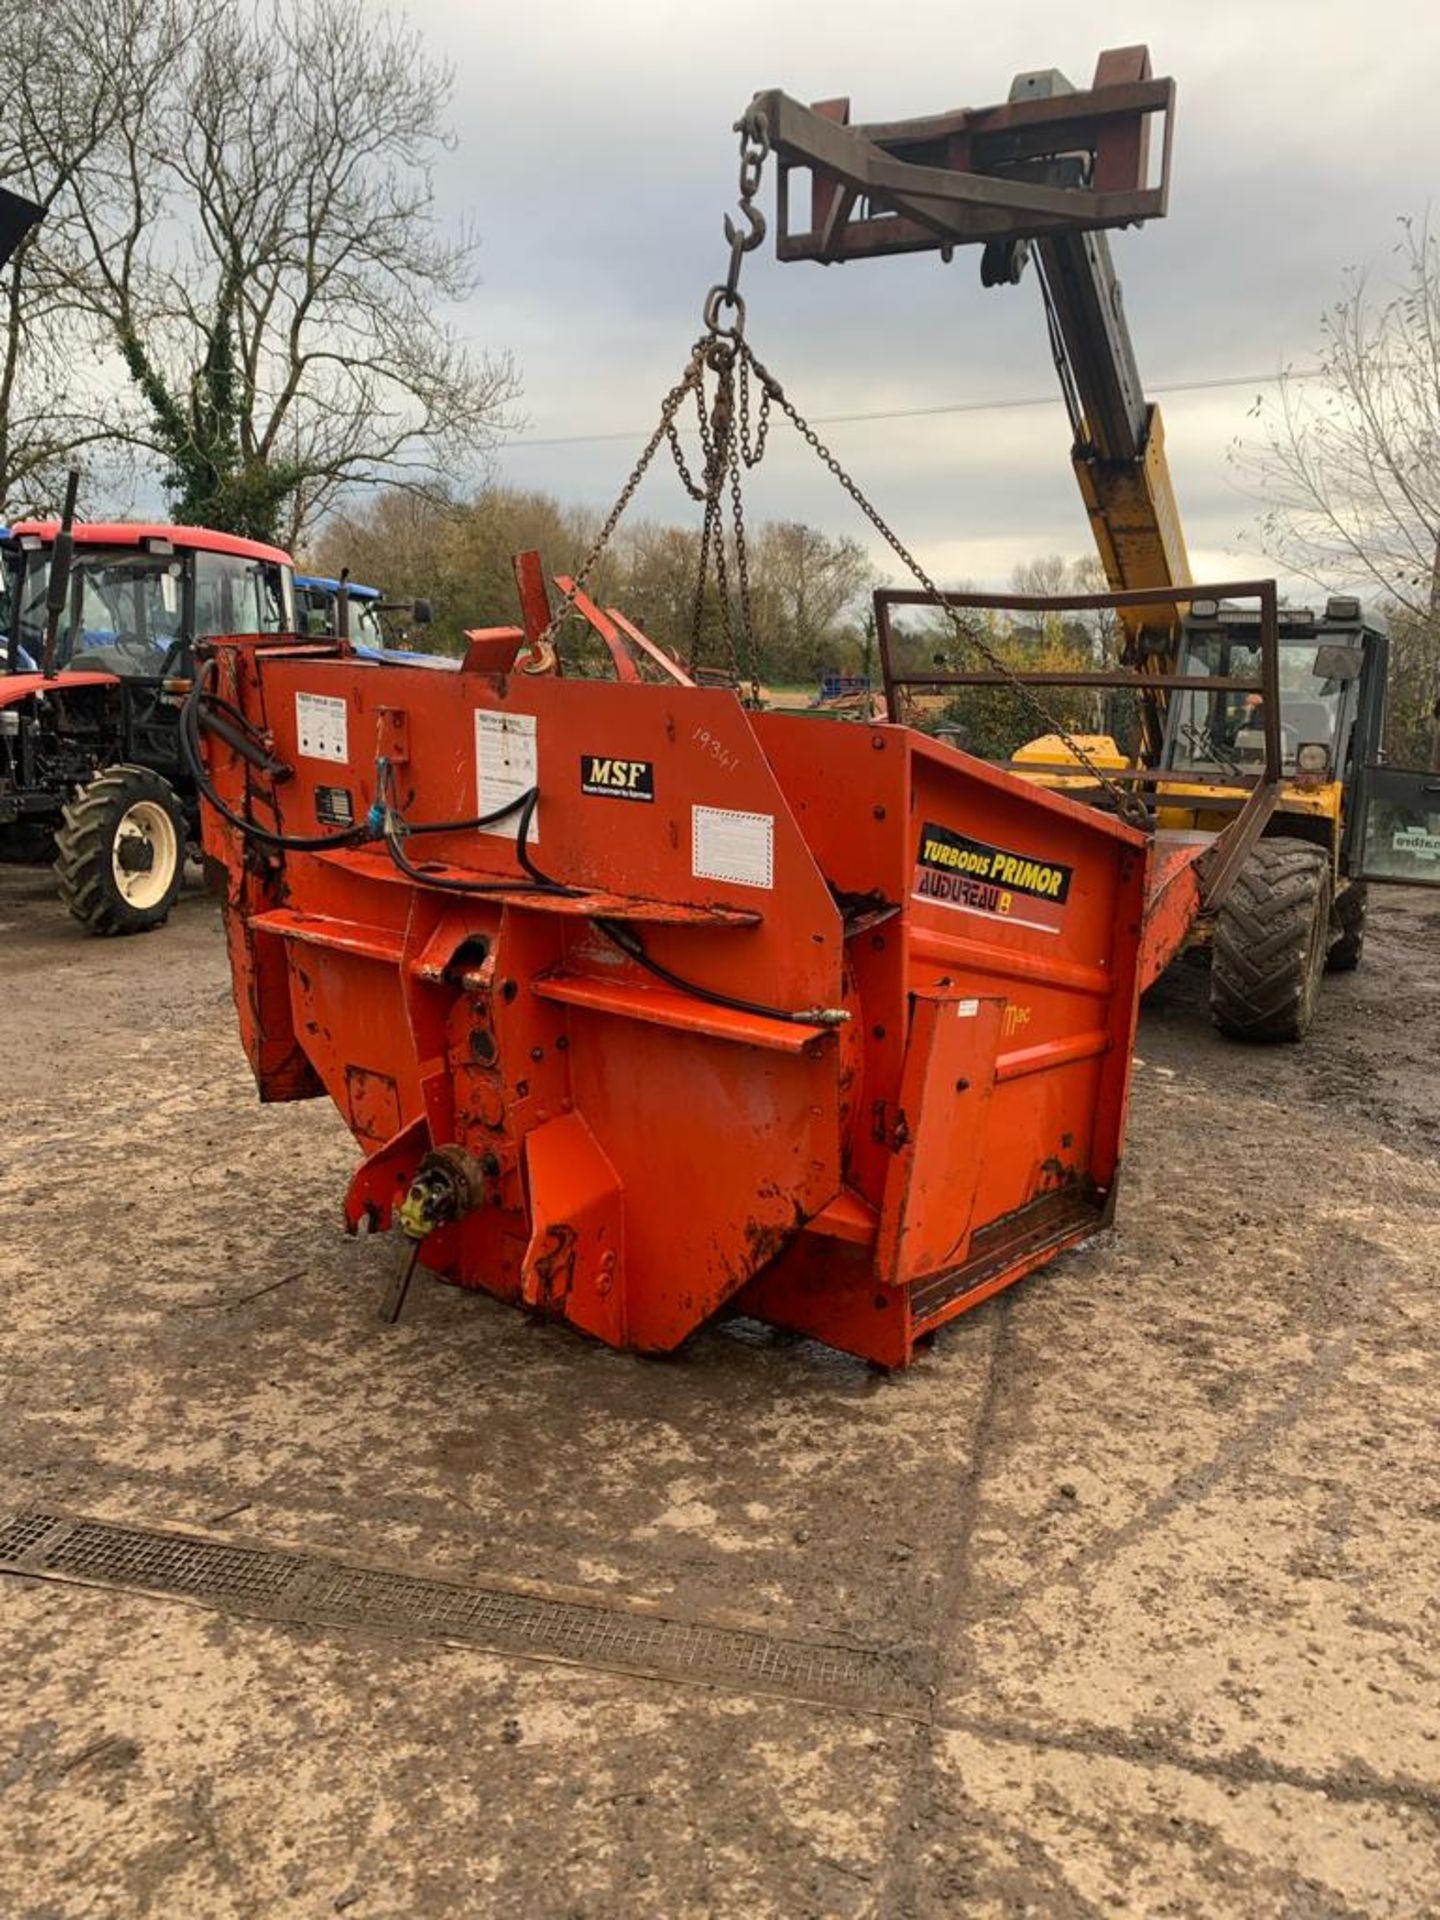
(1159, 1527)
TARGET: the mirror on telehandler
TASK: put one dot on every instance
(1338, 662)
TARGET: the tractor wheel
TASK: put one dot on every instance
(1350, 905)
(121, 851)
(1271, 936)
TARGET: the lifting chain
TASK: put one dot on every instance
(1128, 805)
(714, 352)
(729, 444)
(543, 655)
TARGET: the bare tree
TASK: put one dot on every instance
(805, 584)
(256, 238)
(1349, 457)
(1347, 466)
(69, 70)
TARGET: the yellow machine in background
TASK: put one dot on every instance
(1043, 176)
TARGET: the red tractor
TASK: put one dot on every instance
(99, 626)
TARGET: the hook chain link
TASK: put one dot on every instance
(729, 444)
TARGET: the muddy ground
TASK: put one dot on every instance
(1160, 1527)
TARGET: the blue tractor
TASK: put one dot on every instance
(362, 614)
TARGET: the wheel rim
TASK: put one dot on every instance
(144, 824)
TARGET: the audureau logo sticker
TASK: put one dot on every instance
(971, 875)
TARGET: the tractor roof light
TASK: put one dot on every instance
(1204, 609)
(157, 543)
(1342, 607)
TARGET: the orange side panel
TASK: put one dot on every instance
(942, 1129)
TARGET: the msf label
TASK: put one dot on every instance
(617, 779)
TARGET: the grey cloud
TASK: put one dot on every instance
(596, 159)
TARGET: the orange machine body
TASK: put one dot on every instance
(647, 1155)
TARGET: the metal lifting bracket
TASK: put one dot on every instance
(977, 175)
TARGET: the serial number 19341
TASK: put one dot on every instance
(719, 753)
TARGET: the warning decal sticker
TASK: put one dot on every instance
(507, 766)
(321, 727)
(971, 875)
(729, 845)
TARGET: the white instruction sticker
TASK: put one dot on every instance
(507, 766)
(321, 724)
(725, 845)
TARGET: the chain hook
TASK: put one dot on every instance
(754, 133)
(745, 243)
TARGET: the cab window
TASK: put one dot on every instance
(237, 595)
(1226, 728)
(365, 627)
(126, 611)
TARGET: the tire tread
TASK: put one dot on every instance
(1262, 973)
(82, 851)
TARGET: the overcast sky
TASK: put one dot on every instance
(596, 159)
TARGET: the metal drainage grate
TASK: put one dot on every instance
(25, 1533)
(308, 1589)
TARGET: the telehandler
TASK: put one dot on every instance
(1331, 814)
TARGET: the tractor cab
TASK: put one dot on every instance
(92, 679)
(362, 615)
(1324, 665)
(317, 601)
(139, 597)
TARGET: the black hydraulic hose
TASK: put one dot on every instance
(631, 944)
(195, 762)
(394, 830)
(242, 742)
(523, 855)
(526, 802)
(628, 942)
(217, 702)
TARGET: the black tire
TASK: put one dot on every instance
(120, 853)
(1271, 936)
(1349, 915)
